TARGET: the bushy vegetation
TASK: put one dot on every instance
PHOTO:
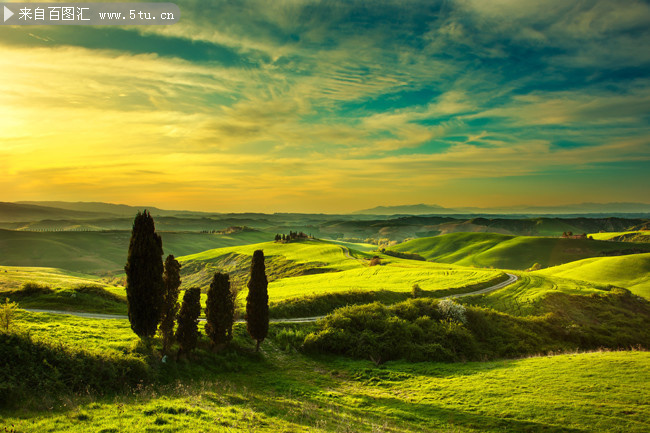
(53, 369)
(431, 330)
(403, 255)
(86, 297)
(7, 313)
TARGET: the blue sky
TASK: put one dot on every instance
(333, 106)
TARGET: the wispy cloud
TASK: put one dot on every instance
(314, 105)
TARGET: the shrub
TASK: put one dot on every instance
(7, 312)
(32, 288)
(452, 311)
(416, 291)
(376, 260)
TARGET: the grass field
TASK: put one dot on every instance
(351, 269)
(631, 272)
(103, 252)
(394, 278)
(524, 296)
(633, 236)
(285, 391)
(512, 252)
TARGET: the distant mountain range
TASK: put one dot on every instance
(581, 208)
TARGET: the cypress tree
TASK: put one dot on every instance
(220, 310)
(187, 332)
(257, 301)
(172, 282)
(144, 277)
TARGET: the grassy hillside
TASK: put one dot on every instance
(631, 272)
(632, 236)
(511, 252)
(315, 267)
(50, 288)
(281, 390)
(102, 252)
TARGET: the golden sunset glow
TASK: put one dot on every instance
(295, 108)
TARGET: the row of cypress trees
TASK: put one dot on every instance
(152, 291)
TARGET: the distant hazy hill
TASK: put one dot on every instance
(573, 209)
(413, 209)
(107, 208)
(106, 251)
(14, 212)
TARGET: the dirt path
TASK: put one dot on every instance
(512, 278)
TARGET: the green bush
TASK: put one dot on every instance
(32, 288)
(57, 370)
(431, 330)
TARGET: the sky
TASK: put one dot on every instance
(333, 106)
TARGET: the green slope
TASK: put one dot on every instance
(512, 252)
(631, 272)
(102, 252)
(633, 236)
(51, 288)
(315, 267)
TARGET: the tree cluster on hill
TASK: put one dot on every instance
(292, 236)
(153, 290)
(570, 235)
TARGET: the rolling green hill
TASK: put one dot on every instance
(316, 267)
(512, 252)
(631, 272)
(51, 288)
(631, 236)
(103, 252)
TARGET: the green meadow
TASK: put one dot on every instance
(629, 236)
(328, 267)
(630, 271)
(281, 389)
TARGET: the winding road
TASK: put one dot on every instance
(512, 278)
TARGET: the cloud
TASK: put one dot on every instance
(255, 105)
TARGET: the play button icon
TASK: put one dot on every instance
(8, 13)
